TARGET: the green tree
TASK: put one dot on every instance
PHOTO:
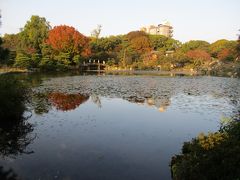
(163, 43)
(172, 44)
(33, 34)
(181, 58)
(106, 48)
(23, 61)
(63, 58)
(78, 60)
(11, 42)
(195, 44)
(158, 41)
(108, 44)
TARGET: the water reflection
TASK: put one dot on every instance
(97, 100)
(100, 127)
(40, 103)
(160, 103)
(66, 102)
(7, 174)
(159, 92)
(14, 138)
(15, 131)
(43, 102)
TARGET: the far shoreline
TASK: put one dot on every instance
(179, 72)
(154, 72)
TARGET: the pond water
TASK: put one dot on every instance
(115, 127)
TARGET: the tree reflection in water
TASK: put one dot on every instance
(66, 102)
(15, 130)
(15, 137)
(40, 103)
(7, 174)
(160, 103)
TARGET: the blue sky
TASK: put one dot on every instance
(192, 19)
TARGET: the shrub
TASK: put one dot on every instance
(212, 156)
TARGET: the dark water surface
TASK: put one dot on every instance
(116, 127)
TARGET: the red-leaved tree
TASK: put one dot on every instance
(198, 54)
(198, 57)
(66, 39)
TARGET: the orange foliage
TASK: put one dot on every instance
(150, 59)
(86, 51)
(141, 44)
(66, 102)
(30, 50)
(198, 54)
(67, 39)
(139, 41)
(224, 53)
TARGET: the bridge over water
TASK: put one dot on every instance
(93, 66)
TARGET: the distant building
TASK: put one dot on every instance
(164, 29)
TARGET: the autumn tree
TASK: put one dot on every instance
(66, 42)
(218, 46)
(199, 54)
(198, 57)
(135, 34)
(139, 41)
(226, 55)
(134, 45)
(10, 41)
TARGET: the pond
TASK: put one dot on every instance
(114, 126)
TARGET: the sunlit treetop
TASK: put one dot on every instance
(67, 39)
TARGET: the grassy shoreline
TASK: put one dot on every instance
(11, 69)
